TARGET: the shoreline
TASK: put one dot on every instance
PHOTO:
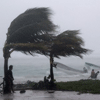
(81, 86)
(37, 94)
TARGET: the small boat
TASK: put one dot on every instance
(62, 66)
(93, 65)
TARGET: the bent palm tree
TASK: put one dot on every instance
(29, 33)
(66, 44)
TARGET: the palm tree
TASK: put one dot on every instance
(66, 44)
(33, 32)
(29, 33)
(32, 26)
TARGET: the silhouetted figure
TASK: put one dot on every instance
(96, 74)
(10, 79)
(46, 82)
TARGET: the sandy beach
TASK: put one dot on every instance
(44, 95)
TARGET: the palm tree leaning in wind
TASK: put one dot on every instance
(29, 33)
(66, 44)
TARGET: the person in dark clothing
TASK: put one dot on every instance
(10, 78)
(96, 74)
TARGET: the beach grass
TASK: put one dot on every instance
(82, 86)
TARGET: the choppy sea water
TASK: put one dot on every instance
(35, 68)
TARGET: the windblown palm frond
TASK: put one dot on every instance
(69, 43)
(28, 48)
(30, 25)
(31, 31)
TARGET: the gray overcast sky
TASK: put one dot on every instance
(83, 15)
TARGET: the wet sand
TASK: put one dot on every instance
(44, 95)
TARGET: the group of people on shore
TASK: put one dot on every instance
(93, 73)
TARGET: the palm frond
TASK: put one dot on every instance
(29, 24)
(69, 43)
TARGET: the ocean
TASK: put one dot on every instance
(35, 68)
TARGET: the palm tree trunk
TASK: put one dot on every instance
(6, 57)
(51, 71)
(5, 66)
(5, 81)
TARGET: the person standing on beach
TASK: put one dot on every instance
(10, 78)
(92, 74)
(96, 74)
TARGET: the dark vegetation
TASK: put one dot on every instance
(81, 86)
